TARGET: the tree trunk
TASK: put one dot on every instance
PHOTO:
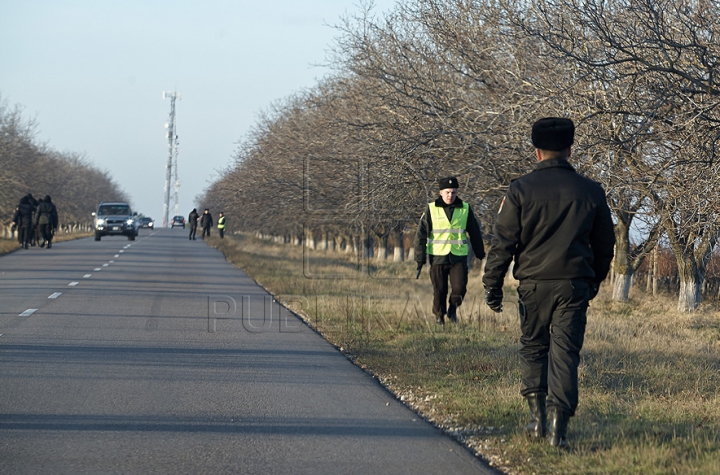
(692, 257)
(655, 272)
(310, 239)
(368, 247)
(649, 277)
(689, 297)
(621, 264)
(399, 250)
(621, 287)
(329, 241)
(382, 254)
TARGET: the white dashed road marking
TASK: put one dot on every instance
(116, 255)
(87, 276)
(55, 295)
(98, 269)
(73, 284)
(105, 265)
(28, 312)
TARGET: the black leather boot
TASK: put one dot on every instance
(452, 313)
(538, 416)
(557, 432)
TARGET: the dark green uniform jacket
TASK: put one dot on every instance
(556, 224)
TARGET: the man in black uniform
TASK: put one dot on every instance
(441, 235)
(206, 223)
(23, 219)
(557, 227)
(33, 229)
(46, 220)
(193, 221)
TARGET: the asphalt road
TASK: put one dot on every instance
(157, 356)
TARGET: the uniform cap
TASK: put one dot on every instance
(553, 133)
(448, 182)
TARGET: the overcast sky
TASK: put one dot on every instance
(92, 73)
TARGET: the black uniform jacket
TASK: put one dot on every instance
(193, 219)
(425, 227)
(556, 224)
(46, 214)
(24, 215)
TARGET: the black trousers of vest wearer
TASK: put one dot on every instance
(553, 315)
(439, 275)
(222, 232)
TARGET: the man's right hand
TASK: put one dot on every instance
(494, 298)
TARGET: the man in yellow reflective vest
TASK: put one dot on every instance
(444, 232)
(221, 224)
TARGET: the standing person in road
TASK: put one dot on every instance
(442, 235)
(46, 220)
(33, 230)
(556, 225)
(221, 224)
(36, 234)
(193, 222)
(206, 222)
(23, 219)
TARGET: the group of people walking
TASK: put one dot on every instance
(557, 228)
(36, 221)
(206, 223)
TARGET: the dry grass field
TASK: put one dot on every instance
(649, 376)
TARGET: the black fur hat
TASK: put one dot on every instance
(553, 133)
(448, 182)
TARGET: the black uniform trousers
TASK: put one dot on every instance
(553, 315)
(25, 235)
(193, 230)
(46, 232)
(205, 230)
(439, 274)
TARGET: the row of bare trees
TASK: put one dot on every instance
(28, 166)
(440, 87)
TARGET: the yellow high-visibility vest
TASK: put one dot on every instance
(447, 236)
(221, 222)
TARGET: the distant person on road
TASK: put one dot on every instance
(23, 219)
(46, 221)
(33, 230)
(206, 222)
(193, 222)
(556, 225)
(446, 227)
(221, 224)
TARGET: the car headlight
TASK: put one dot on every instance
(100, 222)
(129, 221)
